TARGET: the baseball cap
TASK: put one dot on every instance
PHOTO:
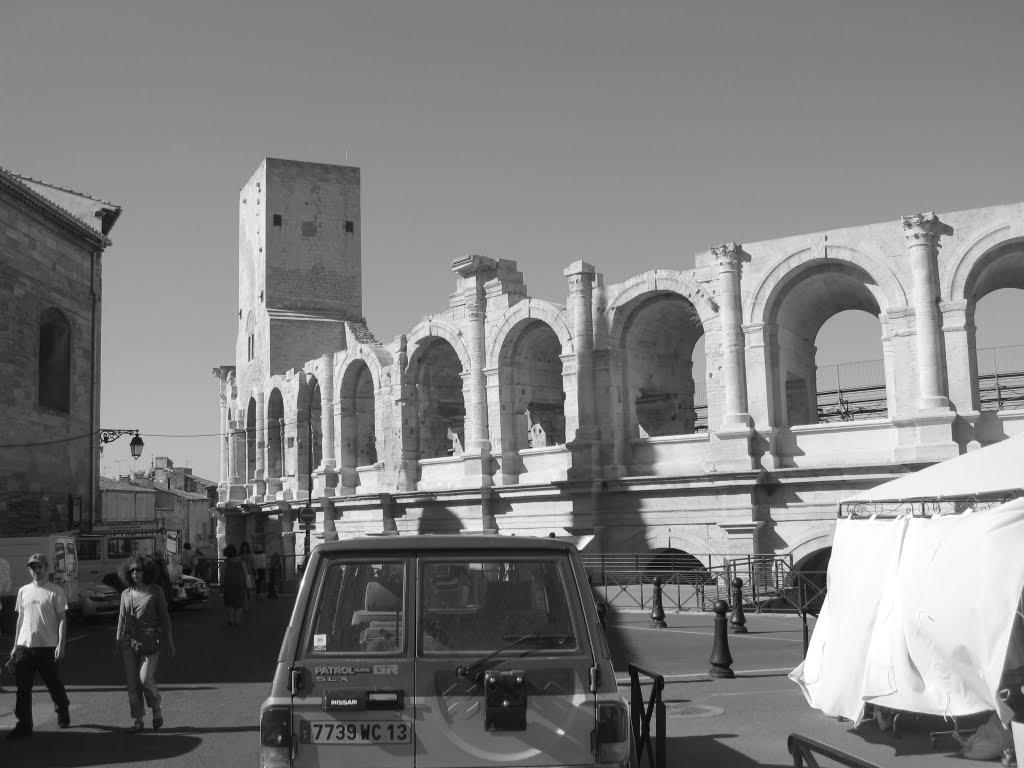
(39, 557)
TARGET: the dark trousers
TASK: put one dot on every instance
(26, 662)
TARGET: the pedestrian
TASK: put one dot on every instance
(40, 637)
(259, 562)
(188, 559)
(5, 587)
(275, 574)
(142, 621)
(246, 556)
(233, 586)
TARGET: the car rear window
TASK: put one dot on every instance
(488, 604)
(359, 608)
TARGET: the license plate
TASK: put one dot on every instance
(361, 732)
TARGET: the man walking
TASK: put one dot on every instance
(40, 636)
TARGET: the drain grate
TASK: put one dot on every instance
(673, 709)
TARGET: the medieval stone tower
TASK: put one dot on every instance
(299, 265)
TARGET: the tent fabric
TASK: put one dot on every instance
(865, 555)
(992, 470)
(940, 622)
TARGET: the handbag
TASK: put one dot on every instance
(143, 641)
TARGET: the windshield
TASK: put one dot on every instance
(494, 605)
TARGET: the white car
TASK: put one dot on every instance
(97, 600)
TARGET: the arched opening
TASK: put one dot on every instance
(54, 360)
(814, 295)
(994, 316)
(675, 566)
(308, 432)
(850, 372)
(998, 320)
(275, 435)
(659, 343)
(358, 431)
(250, 441)
(532, 394)
(440, 406)
(315, 416)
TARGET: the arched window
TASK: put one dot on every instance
(54, 360)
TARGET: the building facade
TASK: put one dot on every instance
(507, 413)
(51, 244)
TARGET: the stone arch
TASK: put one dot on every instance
(374, 360)
(813, 540)
(357, 401)
(434, 328)
(436, 373)
(655, 282)
(531, 390)
(662, 539)
(308, 428)
(889, 293)
(275, 437)
(798, 303)
(656, 333)
(552, 315)
(962, 267)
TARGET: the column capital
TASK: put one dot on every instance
(730, 256)
(472, 264)
(924, 228)
(581, 276)
(579, 268)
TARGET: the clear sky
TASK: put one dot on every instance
(629, 134)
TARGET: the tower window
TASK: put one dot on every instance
(55, 360)
(277, 219)
(350, 226)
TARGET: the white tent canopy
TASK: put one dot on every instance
(993, 471)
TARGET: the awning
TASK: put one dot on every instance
(995, 471)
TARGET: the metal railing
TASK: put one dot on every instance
(803, 749)
(210, 570)
(692, 583)
(646, 739)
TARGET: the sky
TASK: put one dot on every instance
(628, 134)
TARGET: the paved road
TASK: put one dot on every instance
(212, 692)
(211, 695)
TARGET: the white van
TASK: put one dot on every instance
(63, 568)
(102, 551)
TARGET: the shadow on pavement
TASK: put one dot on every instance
(914, 734)
(67, 749)
(708, 749)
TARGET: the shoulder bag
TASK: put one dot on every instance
(144, 642)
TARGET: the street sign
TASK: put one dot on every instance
(307, 516)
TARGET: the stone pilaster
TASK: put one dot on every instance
(729, 258)
(584, 445)
(222, 373)
(961, 357)
(325, 479)
(236, 485)
(474, 272)
(923, 231)
(260, 480)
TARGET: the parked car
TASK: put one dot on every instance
(445, 650)
(196, 591)
(98, 600)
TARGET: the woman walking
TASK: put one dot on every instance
(233, 586)
(141, 623)
(246, 556)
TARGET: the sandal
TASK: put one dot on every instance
(137, 726)
(158, 720)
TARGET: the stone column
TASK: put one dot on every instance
(923, 231)
(327, 413)
(223, 392)
(261, 445)
(236, 460)
(729, 258)
(581, 277)
(473, 271)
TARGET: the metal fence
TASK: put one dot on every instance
(696, 583)
(210, 570)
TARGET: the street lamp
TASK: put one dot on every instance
(110, 435)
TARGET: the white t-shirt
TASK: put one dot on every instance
(41, 610)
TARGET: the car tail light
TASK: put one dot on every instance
(612, 733)
(275, 737)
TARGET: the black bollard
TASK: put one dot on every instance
(739, 621)
(658, 612)
(721, 659)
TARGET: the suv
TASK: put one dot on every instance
(451, 651)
